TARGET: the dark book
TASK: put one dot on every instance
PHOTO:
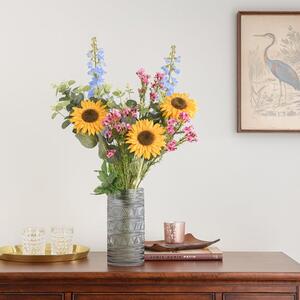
(210, 253)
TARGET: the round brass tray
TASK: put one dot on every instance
(15, 253)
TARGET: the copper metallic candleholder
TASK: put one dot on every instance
(174, 232)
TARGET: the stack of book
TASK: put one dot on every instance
(209, 254)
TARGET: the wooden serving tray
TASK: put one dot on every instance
(15, 253)
(190, 242)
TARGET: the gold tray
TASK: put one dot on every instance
(15, 253)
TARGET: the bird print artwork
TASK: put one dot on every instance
(281, 70)
(268, 71)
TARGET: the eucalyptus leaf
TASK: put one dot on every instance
(54, 115)
(88, 141)
(106, 88)
(60, 105)
(65, 124)
(131, 103)
(85, 88)
(102, 148)
(70, 82)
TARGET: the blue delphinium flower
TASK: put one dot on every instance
(169, 81)
(95, 68)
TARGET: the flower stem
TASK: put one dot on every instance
(138, 179)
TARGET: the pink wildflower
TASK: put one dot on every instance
(170, 129)
(143, 76)
(153, 96)
(108, 134)
(190, 134)
(156, 85)
(116, 114)
(171, 146)
(110, 153)
(134, 112)
(184, 116)
(159, 76)
(118, 127)
(172, 122)
(126, 112)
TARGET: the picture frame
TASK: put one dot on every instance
(268, 71)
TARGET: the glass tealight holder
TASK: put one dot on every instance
(34, 241)
(61, 240)
(174, 232)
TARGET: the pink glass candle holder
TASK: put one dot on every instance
(174, 232)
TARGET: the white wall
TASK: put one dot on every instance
(243, 188)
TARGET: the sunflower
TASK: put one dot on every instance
(146, 139)
(173, 105)
(89, 117)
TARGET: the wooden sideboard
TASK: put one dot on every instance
(241, 276)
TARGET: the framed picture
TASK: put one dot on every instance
(268, 53)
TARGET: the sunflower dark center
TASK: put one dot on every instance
(178, 103)
(90, 115)
(146, 137)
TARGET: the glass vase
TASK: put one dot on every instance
(126, 228)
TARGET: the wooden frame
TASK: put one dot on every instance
(240, 125)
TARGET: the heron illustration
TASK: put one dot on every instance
(282, 71)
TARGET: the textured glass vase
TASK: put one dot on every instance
(126, 228)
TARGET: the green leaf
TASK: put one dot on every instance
(65, 124)
(131, 103)
(102, 176)
(65, 98)
(104, 167)
(106, 88)
(99, 190)
(70, 82)
(102, 147)
(118, 93)
(69, 107)
(111, 104)
(111, 178)
(88, 141)
(60, 105)
(85, 88)
(54, 115)
(79, 98)
(154, 106)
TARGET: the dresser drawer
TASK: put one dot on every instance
(11, 296)
(259, 296)
(148, 296)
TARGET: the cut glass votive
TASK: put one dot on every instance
(61, 240)
(34, 241)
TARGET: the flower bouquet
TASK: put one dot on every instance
(132, 132)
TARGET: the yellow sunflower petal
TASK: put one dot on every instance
(173, 105)
(89, 117)
(146, 139)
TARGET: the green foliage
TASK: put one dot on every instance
(88, 141)
(131, 103)
(69, 94)
(109, 180)
(102, 147)
(118, 93)
(65, 124)
(69, 97)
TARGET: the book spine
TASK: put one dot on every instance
(183, 257)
